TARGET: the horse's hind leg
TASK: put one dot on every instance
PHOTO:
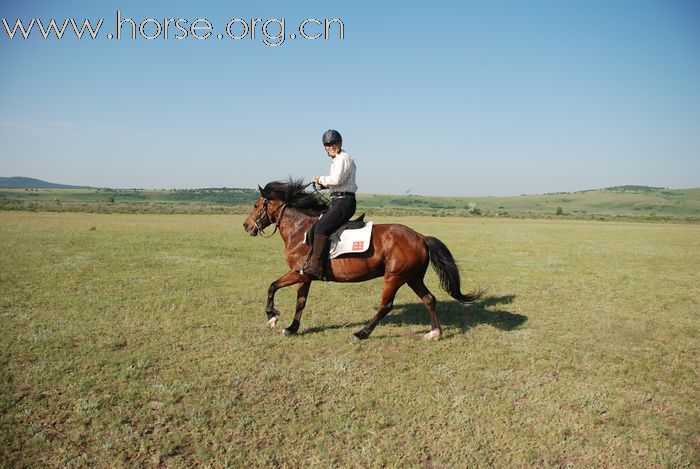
(301, 303)
(391, 286)
(428, 299)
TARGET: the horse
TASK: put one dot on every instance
(396, 252)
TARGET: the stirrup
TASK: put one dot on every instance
(312, 276)
(322, 276)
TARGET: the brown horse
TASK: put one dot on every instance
(396, 252)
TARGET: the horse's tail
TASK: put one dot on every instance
(446, 268)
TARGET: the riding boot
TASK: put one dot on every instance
(314, 267)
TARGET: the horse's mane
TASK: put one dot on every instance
(293, 194)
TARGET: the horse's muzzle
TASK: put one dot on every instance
(250, 229)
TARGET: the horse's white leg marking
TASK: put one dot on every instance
(272, 323)
(435, 334)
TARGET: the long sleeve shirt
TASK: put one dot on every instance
(342, 176)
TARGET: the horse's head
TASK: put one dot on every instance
(263, 215)
(275, 197)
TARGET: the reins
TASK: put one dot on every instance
(321, 196)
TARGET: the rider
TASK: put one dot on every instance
(341, 183)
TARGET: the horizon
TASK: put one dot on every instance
(84, 186)
(501, 100)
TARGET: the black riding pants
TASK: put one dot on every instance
(341, 210)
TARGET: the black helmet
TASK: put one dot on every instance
(332, 136)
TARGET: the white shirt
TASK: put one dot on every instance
(342, 177)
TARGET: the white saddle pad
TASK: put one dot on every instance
(351, 241)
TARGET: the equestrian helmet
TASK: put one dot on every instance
(331, 136)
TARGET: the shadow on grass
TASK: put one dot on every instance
(451, 314)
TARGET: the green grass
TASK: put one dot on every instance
(141, 340)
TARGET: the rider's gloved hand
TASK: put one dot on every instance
(317, 184)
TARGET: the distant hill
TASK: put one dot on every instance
(629, 201)
(18, 182)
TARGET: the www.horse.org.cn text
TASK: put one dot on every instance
(270, 32)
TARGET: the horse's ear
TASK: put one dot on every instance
(262, 191)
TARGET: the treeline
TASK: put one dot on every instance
(222, 195)
(216, 195)
(418, 202)
(634, 188)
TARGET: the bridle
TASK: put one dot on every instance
(264, 212)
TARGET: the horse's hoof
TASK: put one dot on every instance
(435, 334)
(288, 332)
(272, 322)
(353, 339)
(361, 334)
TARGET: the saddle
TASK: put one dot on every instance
(356, 224)
(354, 237)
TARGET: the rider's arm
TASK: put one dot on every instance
(339, 171)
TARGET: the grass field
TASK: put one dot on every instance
(131, 340)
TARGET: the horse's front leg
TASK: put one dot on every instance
(290, 278)
(301, 303)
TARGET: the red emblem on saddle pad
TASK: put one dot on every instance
(358, 245)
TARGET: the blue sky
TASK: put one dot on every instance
(443, 98)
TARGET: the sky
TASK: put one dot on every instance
(456, 98)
